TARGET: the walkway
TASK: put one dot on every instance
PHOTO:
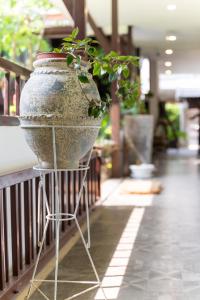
(144, 247)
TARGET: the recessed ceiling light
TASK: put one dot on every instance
(171, 38)
(168, 72)
(171, 7)
(169, 51)
(168, 64)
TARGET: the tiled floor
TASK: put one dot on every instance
(144, 247)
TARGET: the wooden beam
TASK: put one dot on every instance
(115, 33)
(10, 66)
(115, 108)
(99, 34)
(69, 6)
(79, 16)
(130, 40)
(77, 9)
(57, 32)
(138, 53)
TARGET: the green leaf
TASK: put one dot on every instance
(56, 50)
(68, 39)
(78, 60)
(126, 72)
(83, 78)
(70, 59)
(95, 42)
(75, 33)
(96, 69)
(91, 51)
(111, 54)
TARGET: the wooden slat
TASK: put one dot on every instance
(2, 245)
(79, 187)
(69, 194)
(15, 230)
(63, 204)
(6, 94)
(84, 195)
(18, 200)
(74, 190)
(93, 181)
(5, 234)
(27, 222)
(17, 93)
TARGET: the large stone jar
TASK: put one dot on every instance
(54, 96)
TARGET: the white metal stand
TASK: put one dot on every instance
(59, 217)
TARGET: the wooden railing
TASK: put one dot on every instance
(11, 85)
(18, 226)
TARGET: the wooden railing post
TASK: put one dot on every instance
(6, 94)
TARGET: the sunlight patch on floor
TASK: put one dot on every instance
(129, 200)
(116, 270)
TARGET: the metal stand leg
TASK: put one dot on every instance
(58, 217)
(37, 261)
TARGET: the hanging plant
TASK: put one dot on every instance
(112, 66)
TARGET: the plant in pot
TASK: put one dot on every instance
(62, 92)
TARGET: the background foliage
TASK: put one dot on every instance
(21, 29)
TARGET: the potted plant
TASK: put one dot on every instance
(62, 92)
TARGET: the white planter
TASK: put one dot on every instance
(143, 171)
(139, 130)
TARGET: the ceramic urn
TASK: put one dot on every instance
(54, 96)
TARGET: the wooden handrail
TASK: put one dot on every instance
(10, 66)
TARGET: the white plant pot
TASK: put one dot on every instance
(143, 171)
(139, 130)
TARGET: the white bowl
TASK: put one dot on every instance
(143, 171)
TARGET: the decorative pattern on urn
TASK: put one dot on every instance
(54, 96)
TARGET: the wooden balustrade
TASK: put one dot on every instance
(18, 220)
(11, 85)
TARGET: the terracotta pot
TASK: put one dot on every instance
(54, 96)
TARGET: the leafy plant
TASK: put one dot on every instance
(173, 127)
(112, 67)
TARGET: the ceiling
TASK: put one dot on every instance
(152, 21)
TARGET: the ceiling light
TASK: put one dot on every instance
(171, 38)
(168, 72)
(169, 51)
(171, 7)
(168, 64)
